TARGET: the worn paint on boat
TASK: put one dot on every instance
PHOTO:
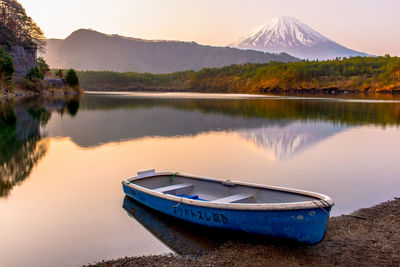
(260, 209)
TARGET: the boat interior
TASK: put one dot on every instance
(204, 189)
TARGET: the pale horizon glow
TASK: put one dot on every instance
(364, 25)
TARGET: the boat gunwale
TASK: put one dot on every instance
(321, 199)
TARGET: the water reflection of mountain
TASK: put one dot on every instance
(290, 140)
(21, 144)
(92, 128)
(283, 138)
(267, 122)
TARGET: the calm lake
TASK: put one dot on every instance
(62, 161)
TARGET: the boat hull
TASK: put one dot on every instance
(303, 225)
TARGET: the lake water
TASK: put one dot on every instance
(62, 162)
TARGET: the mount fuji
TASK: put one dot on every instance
(287, 34)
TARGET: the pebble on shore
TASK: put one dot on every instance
(367, 237)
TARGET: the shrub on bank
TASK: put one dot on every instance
(34, 73)
(59, 74)
(34, 84)
(6, 70)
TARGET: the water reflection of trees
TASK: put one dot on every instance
(21, 143)
(279, 109)
(17, 165)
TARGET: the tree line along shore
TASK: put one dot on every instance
(356, 74)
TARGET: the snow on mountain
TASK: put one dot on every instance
(91, 50)
(287, 34)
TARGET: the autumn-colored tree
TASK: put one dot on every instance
(19, 27)
(396, 71)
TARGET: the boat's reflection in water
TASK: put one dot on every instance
(181, 237)
(187, 238)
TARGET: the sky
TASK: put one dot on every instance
(370, 26)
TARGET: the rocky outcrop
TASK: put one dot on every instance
(23, 61)
(57, 83)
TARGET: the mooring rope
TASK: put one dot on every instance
(171, 178)
(177, 205)
(324, 203)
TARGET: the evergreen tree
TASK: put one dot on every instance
(34, 73)
(6, 66)
(43, 67)
(72, 78)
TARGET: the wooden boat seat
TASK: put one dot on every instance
(238, 198)
(175, 189)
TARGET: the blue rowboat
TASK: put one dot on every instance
(260, 209)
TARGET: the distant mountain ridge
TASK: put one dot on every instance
(91, 50)
(289, 35)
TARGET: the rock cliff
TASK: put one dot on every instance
(23, 61)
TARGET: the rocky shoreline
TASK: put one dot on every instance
(48, 92)
(367, 237)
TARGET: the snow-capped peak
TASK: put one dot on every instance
(288, 34)
(284, 30)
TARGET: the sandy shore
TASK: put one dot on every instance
(367, 237)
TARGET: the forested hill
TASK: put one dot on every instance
(91, 50)
(367, 74)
